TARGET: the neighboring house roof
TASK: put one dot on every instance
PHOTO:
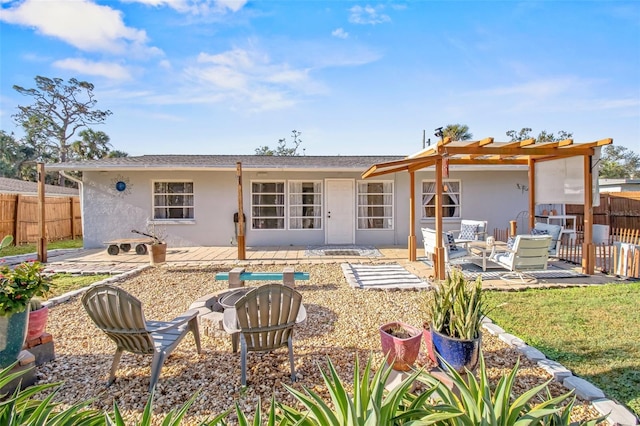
(353, 163)
(24, 187)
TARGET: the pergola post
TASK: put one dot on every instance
(438, 262)
(588, 249)
(412, 218)
(532, 192)
(242, 255)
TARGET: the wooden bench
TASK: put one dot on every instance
(237, 277)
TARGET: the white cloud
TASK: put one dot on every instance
(370, 15)
(340, 33)
(249, 77)
(196, 7)
(103, 69)
(81, 23)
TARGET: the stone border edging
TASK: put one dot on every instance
(618, 415)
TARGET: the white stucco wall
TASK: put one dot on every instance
(108, 214)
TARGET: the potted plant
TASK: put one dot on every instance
(456, 309)
(17, 287)
(400, 344)
(38, 314)
(158, 246)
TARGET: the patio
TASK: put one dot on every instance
(99, 261)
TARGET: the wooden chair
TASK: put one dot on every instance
(529, 253)
(120, 316)
(264, 318)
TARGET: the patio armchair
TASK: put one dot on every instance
(119, 314)
(555, 231)
(264, 318)
(528, 253)
(452, 249)
(471, 230)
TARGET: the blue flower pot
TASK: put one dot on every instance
(460, 354)
(13, 330)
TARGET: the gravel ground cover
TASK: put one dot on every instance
(342, 323)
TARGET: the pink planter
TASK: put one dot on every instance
(428, 342)
(37, 322)
(401, 351)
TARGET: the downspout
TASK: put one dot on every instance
(81, 191)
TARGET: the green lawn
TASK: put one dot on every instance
(31, 248)
(63, 283)
(593, 331)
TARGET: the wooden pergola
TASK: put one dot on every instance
(487, 152)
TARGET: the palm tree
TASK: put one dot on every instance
(457, 132)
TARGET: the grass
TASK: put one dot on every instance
(63, 283)
(593, 331)
(31, 248)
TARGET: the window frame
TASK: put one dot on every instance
(318, 196)
(391, 194)
(172, 219)
(284, 205)
(423, 217)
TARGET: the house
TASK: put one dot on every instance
(24, 187)
(287, 200)
(619, 185)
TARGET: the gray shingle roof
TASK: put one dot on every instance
(16, 186)
(262, 162)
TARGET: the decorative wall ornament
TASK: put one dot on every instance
(522, 188)
(121, 185)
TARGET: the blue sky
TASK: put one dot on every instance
(228, 76)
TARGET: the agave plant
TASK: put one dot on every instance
(370, 404)
(471, 401)
(22, 408)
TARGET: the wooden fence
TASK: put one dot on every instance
(619, 210)
(19, 217)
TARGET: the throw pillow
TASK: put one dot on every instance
(468, 231)
(451, 242)
(510, 242)
(535, 231)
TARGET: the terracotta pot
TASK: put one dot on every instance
(37, 323)
(460, 354)
(428, 343)
(403, 352)
(157, 253)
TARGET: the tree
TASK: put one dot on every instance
(13, 155)
(618, 162)
(58, 112)
(117, 154)
(93, 145)
(457, 132)
(282, 148)
(525, 133)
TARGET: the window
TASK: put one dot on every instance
(305, 205)
(267, 205)
(375, 205)
(173, 200)
(450, 199)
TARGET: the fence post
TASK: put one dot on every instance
(42, 237)
(72, 219)
(17, 239)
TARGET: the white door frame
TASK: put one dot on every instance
(348, 220)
